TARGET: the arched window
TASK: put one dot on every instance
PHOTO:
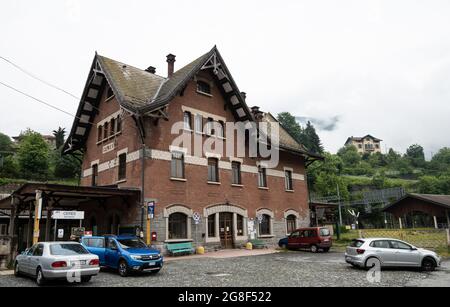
(203, 87)
(264, 226)
(178, 226)
(291, 223)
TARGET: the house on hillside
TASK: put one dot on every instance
(366, 144)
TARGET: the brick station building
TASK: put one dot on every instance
(123, 128)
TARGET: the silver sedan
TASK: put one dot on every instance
(389, 252)
(57, 260)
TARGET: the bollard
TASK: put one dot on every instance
(249, 246)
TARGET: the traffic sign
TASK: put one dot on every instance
(196, 217)
(151, 209)
(260, 218)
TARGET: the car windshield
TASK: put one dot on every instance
(132, 243)
(356, 243)
(67, 250)
(324, 232)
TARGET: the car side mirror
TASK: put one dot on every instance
(413, 248)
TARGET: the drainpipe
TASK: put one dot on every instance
(142, 184)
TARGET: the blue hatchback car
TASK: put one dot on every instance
(124, 253)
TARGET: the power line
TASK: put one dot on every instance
(39, 79)
(48, 104)
(45, 82)
(39, 100)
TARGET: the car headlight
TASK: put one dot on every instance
(136, 257)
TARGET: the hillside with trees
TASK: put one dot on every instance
(33, 159)
(353, 172)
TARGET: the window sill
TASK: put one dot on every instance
(263, 188)
(121, 181)
(214, 183)
(178, 179)
(235, 185)
(109, 138)
(290, 191)
(204, 94)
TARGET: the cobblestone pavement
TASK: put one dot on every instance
(282, 269)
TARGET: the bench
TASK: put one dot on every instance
(258, 244)
(180, 248)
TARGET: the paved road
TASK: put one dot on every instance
(281, 269)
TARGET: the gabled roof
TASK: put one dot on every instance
(141, 92)
(439, 200)
(287, 141)
(359, 139)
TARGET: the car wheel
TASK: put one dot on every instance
(374, 261)
(86, 278)
(17, 270)
(40, 279)
(123, 268)
(313, 249)
(283, 246)
(428, 265)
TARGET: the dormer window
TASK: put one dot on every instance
(203, 87)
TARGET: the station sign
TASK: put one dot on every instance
(68, 215)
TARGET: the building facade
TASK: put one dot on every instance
(365, 145)
(125, 129)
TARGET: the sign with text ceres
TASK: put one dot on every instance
(68, 215)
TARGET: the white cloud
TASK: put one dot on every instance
(383, 67)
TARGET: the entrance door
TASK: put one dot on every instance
(226, 229)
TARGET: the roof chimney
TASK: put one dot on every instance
(151, 70)
(171, 65)
(244, 95)
(257, 113)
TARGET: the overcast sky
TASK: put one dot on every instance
(355, 67)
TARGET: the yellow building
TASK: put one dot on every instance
(366, 144)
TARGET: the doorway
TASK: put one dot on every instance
(226, 230)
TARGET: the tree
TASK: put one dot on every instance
(392, 156)
(60, 135)
(312, 139)
(6, 145)
(288, 122)
(429, 185)
(349, 155)
(8, 167)
(327, 185)
(440, 163)
(33, 156)
(415, 155)
(66, 166)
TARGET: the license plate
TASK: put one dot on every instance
(80, 262)
(151, 263)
